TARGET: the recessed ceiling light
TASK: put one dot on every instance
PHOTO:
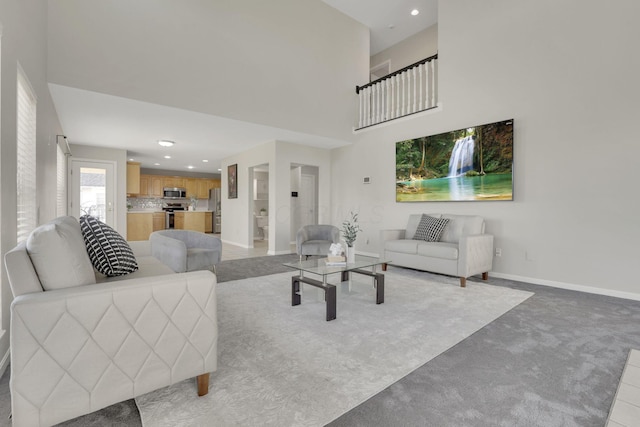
(167, 157)
(165, 143)
(219, 170)
(205, 161)
(190, 167)
(156, 164)
(131, 160)
(414, 12)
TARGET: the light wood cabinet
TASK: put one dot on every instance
(139, 226)
(208, 222)
(190, 221)
(159, 221)
(156, 184)
(173, 181)
(191, 184)
(144, 186)
(133, 178)
(204, 185)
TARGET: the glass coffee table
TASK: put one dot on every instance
(319, 267)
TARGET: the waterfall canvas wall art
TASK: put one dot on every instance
(468, 164)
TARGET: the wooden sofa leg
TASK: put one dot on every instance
(203, 384)
(384, 266)
(485, 275)
(463, 282)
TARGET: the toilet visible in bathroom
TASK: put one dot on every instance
(262, 222)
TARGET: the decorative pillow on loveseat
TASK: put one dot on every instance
(430, 228)
(109, 253)
(59, 256)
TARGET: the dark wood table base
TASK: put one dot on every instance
(330, 290)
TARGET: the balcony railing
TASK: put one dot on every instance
(407, 91)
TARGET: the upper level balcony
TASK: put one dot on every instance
(409, 90)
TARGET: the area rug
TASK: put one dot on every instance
(280, 365)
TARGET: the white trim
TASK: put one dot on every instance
(237, 244)
(568, 286)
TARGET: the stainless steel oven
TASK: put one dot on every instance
(169, 210)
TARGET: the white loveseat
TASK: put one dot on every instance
(81, 341)
(464, 249)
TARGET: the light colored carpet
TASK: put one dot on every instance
(283, 366)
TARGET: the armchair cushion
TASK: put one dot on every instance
(316, 239)
(109, 253)
(59, 256)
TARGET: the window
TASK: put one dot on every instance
(61, 177)
(26, 176)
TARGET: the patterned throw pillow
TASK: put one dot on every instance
(109, 253)
(430, 228)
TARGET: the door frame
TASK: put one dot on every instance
(111, 187)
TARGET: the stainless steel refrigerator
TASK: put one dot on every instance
(214, 206)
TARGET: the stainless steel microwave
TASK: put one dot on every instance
(174, 193)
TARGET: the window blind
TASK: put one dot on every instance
(61, 177)
(26, 175)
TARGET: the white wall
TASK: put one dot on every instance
(567, 73)
(292, 64)
(419, 46)
(237, 213)
(23, 27)
(88, 152)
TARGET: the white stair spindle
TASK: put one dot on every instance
(421, 101)
(360, 108)
(415, 89)
(387, 92)
(393, 94)
(435, 82)
(404, 97)
(398, 90)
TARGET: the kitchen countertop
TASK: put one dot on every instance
(139, 211)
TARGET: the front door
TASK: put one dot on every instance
(92, 190)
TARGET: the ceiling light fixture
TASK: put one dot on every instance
(414, 12)
(205, 161)
(190, 167)
(167, 157)
(165, 143)
(156, 164)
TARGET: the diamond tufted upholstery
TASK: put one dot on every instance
(79, 349)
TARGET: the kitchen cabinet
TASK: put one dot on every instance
(133, 178)
(191, 184)
(144, 186)
(174, 181)
(159, 221)
(139, 225)
(156, 184)
(190, 220)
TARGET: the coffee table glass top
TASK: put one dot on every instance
(319, 265)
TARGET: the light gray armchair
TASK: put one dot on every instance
(316, 239)
(186, 250)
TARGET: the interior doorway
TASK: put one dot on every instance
(92, 190)
(304, 197)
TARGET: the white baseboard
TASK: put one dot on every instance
(237, 244)
(568, 286)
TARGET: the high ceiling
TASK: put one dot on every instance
(98, 119)
(389, 21)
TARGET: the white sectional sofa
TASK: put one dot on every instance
(81, 341)
(463, 250)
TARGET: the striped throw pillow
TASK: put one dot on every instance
(109, 253)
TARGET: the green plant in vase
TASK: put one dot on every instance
(350, 229)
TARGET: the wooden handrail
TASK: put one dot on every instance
(395, 73)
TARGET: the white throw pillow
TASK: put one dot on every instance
(59, 256)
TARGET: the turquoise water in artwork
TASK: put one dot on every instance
(487, 187)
